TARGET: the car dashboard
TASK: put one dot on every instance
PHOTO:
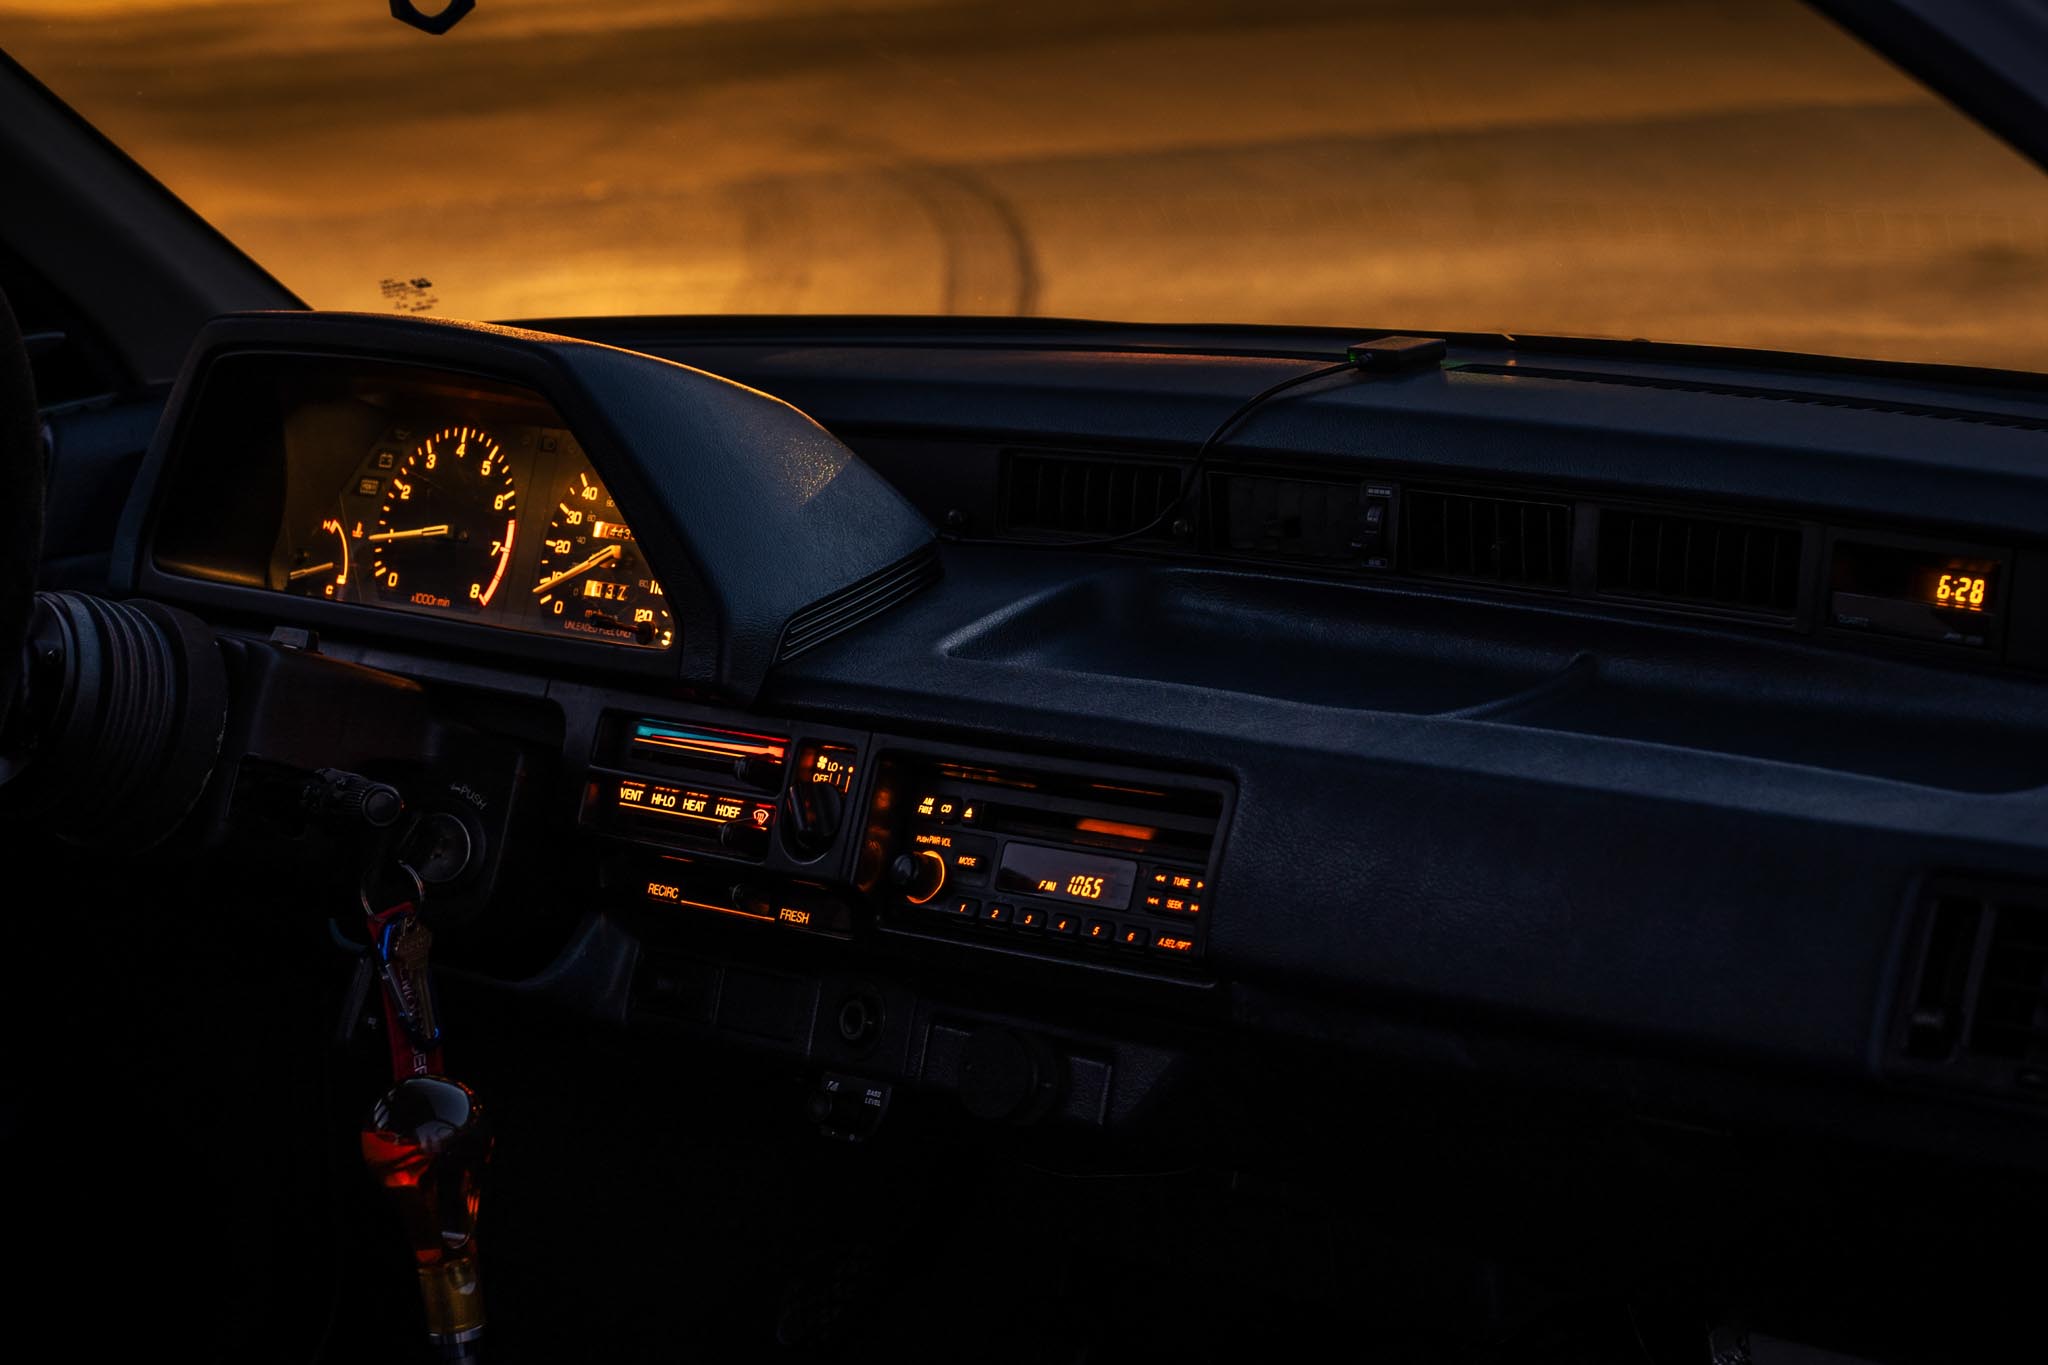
(1570, 722)
(1544, 843)
(1575, 778)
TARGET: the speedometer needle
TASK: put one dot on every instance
(607, 553)
(415, 534)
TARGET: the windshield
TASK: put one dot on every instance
(1734, 172)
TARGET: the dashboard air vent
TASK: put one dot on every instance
(1084, 495)
(1743, 566)
(1975, 1008)
(1488, 539)
(847, 608)
(2010, 1022)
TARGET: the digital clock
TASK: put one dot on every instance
(1964, 591)
(1061, 874)
(1925, 591)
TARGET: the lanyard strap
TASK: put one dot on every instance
(400, 943)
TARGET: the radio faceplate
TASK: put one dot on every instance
(1060, 861)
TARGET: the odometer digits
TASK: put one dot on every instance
(446, 527)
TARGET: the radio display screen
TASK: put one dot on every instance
(1068, 876)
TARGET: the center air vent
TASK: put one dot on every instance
(1745, 566)
(1975, 1008)
(1084, 495)
(1488, 539)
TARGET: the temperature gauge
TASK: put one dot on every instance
(319, 567)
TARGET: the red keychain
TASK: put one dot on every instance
(401, 944)
(426, 1140)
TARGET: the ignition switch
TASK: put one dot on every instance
(441, 846)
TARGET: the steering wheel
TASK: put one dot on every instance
(21, 510)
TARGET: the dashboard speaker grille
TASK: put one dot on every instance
(1086, 495)
(1746, 566)
(1488, 539)
(843, 610)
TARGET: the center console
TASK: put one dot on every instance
(855, 835)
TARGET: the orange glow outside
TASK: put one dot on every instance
(1720, 171)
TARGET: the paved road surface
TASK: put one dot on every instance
(1710, 170)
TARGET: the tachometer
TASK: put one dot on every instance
(445, 530)
(593, 580)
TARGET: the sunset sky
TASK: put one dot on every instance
(1681, 169)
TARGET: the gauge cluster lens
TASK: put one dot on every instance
(463, 501)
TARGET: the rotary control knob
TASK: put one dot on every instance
(812, 813)
(919, 876)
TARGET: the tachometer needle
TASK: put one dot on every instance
(311, 569)
(607, 553)
(414, 534)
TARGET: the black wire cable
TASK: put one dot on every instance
(1194, 475)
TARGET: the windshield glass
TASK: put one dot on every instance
(1734, 172)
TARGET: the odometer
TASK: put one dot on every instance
(446, 527)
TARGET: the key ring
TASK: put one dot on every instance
(419, 890)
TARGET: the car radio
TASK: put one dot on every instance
(1069, 861)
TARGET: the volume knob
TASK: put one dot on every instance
(919, 876)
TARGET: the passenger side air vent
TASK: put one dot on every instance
(1084, 495)
(843, 610)
(1975, 1008)
(2011, 1018)
(1741, 566)
(1486, 539)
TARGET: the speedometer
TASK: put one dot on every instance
(445, 530)
(593, 580)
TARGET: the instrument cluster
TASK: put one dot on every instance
(453, 510)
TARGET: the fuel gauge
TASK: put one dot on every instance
(593, 579)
